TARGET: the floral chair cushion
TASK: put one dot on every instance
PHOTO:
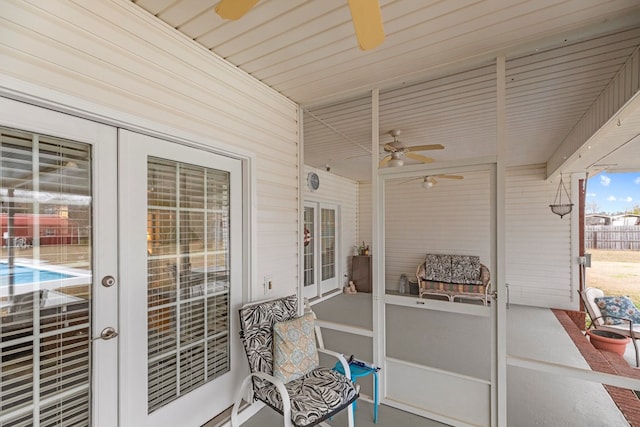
(294, 348)
(315, 397)
(256, 324)
(618, 308)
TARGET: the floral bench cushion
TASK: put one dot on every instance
(465, 269)
(437, 268)
(453, 274)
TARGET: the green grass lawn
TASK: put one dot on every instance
(616, 273)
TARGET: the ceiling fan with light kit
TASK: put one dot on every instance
(365, 14)
(398, 151)
(429, 181)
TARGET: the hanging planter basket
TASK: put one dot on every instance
(558, 207)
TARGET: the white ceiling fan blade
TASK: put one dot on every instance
(419, 157)
(425, 147)
(367, 23)
(234, 9)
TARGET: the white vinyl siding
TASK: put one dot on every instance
(452, 217)
(538, 243)
(538, 261)
(119, 60)
(365, 230)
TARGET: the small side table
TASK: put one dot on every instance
(358, 371)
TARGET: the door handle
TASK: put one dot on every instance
(107, 334)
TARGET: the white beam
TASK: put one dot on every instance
(618, 98)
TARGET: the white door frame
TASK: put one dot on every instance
(16, 112)
(103, 139)
(198, 406)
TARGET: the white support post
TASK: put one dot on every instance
(377, 237)
(499, 405)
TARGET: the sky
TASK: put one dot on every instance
(613, 192)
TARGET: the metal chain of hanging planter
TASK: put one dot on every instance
(558, 207)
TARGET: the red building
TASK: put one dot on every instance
(54, 230)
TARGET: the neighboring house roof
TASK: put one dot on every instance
(621, 219)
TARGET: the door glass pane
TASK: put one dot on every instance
(309, 252)
(45, 280)
(188, 278)
(328, 221)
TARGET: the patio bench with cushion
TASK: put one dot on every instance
(453, 277)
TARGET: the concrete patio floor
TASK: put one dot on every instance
(536, 398)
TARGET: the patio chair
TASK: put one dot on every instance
(598, 321)
(305, 397)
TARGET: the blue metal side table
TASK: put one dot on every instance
(357, 371)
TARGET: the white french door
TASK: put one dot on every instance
(321, 251)
(180, 356)
(58, 216)
(107, 322)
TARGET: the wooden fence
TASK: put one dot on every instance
(620, 237)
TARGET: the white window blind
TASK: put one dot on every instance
(188, 278)
(328, 231)
(45, 281)
(309, 249)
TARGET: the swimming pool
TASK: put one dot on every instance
(23, 274)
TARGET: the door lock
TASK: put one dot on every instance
(107, 334)
(108, 281)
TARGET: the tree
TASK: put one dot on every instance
(592, 207)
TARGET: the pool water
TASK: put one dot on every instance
(23, 275)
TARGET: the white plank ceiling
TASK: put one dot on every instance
(435, 70)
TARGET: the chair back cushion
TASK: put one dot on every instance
(465, 269)
(614, 309)
(437, 268)
(588, 296)
(256, 330)
(294, 348)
